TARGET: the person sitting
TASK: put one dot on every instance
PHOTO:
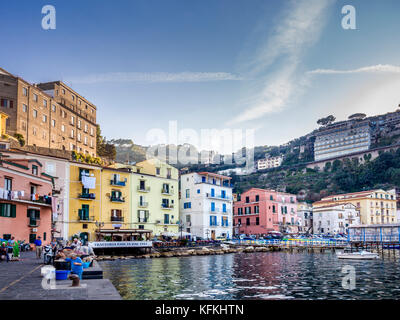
(4, 252)
(76, 265)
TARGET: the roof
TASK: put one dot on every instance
(213, 175)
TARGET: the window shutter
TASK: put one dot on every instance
(13, 211)
(147, 215)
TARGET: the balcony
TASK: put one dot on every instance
(143, 204)
(83, 216)
(226, 198)
(118, 183)
(167, 191)
(143, 189)
(167, 206)
(117, 199)
(87, 196)
(117, 219)
(34, 222)
(167, 222)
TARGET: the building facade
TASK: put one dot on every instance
(256, 213)
(115, 198)
(84, 201)
(305, 214)
(341, 138)
(335, 218)
(49, 115)
(206, 205)
(270, 162)
(25, 200)
(375, 206)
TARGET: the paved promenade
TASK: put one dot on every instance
(22, 280)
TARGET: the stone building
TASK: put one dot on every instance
(49, 115)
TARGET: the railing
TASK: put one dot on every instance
(34, 222)
(143, 204)
(143, 189)
(169, 192)
(118, 183)
(219, 197)
(84, 217)
(294, 242)
(116, 199)
(87, 196)
(164, 206)
(115, 218)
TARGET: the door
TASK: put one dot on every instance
(212, 192)
(212, 234)
(85, 237)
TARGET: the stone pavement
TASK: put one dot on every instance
(22, 280)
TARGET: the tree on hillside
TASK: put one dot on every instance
(327, 120)
(104, 149)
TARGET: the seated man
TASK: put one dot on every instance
(4, 252)
(76, 265)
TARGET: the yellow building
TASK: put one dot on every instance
(115, 198)
(154, 197)
(3, 121)
(84, 200)
(375, 206)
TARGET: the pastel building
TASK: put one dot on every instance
(256, 212)
(305, 217)
(269, 162)
(376, 206)
(335, 218)
(287, 212)
(25, 200)
(206, 205)
(84, 201)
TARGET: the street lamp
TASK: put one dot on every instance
(181, 227)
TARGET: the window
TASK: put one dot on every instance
(257, 198)
(7, 210)
(258, 221)
(158, 170)
(8, 184)
(62, 128)
(44, 118)
(247, 221)
(45, 103)
(35, 97)
(187, 193)
(35, 170)
(247, 199)
(25, 91)
(34, 113)
(72, 120)
(187, 205)
(24, 108)
(86, 128)
(53, 123)
(198, 190)
(53, 108)
(79, 124)
(72, 133)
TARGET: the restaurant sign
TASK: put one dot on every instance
(120, 244)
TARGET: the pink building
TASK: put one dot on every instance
(260, 211)
(25, 200)
(256, 212)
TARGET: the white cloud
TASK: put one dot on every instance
(299, 29)
(379, 68)
(155, 77)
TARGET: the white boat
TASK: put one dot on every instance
(359, 255)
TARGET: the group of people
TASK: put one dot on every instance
(8, 247)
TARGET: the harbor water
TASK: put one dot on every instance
(260, 275)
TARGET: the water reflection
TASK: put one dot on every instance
(270, 275)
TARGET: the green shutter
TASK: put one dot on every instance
(1, 209)
(13, 211)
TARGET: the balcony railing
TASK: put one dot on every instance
(167, 222)
(34, 222)
(143, 204)
(167, 191)
(117, 199)
(143, 189)
(219, 197)
(82, 216)
(118, 183)
(117, 219)
(87, 196)
(167, 206)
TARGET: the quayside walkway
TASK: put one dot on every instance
(22, 280)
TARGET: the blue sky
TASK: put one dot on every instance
(273, 66)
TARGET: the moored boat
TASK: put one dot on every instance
(359, 255)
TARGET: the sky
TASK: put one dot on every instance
(272, 66)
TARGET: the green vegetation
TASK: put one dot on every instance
(20, 139)
(77, 156)
(104, 149)
(312, 184)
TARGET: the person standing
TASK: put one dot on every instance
(76, 265)
(38, 245)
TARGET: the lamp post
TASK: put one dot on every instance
(207, 233)
(181, 227)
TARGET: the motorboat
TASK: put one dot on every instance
(359, 255)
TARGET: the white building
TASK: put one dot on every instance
(305, 214)
(335, 218)
(271, 162)
(206, 205)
